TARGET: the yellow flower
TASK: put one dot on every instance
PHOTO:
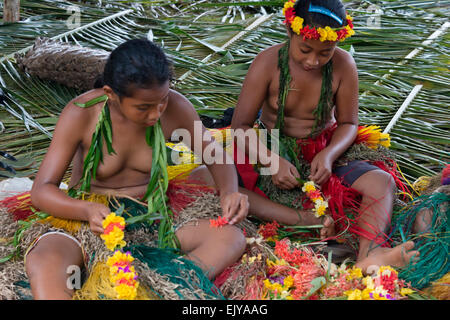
(125, 292)
(281, 262)
(353, 294)
(365, 294)
(357, 294)
(288, 282)
(406, 291)
(112, 218)
(350, 31)
(309, 186)
(379, 293)
(273, 286)
(327, 34)
(119, 256)
(331, 34)
(386, 271)
(287, 5)
(368, 282)
(114, 239)
(354, 273)
(297, 25)
(323, 34)
(320, 208)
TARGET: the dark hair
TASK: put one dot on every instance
(139, 63)
(316, 19)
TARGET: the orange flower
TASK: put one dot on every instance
(219, 222)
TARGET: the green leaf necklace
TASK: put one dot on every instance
(155, 195)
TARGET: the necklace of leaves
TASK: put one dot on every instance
(288, 147)
(155, 196)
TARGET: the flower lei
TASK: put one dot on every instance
(322, 34)
(320, 205)
(121, 273)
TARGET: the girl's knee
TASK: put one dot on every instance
(235, 237)
(202, 174)
(385, 181)
(376, 183)
(50, 255)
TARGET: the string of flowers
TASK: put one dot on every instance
(320, 205)
(121, 272)
(308, 32)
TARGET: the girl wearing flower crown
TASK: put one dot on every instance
(307, 88)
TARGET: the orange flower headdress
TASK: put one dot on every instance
(322, 34)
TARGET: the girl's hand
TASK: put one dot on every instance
(234, 206)
(286, 176)
(96, 213)
(321, 167)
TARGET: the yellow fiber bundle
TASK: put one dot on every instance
(441, 288)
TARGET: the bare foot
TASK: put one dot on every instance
(398, 256)
(423, 220)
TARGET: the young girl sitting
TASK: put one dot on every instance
(131, 100)
(307, 88)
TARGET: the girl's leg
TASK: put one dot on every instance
(377, 188)
(212, 249)
(47, 264)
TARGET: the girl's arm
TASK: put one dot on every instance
(346, 117)
(254, 91)
(219, 163)
(45, 193)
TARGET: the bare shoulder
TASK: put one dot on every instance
(179, 104)
(343, 61)
(180, 112)
(75, 120)
(80, 112)
(268, 58)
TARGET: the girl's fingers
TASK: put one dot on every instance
(243, 210)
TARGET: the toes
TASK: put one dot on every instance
(408, 245)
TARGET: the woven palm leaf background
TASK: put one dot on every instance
(401, 49)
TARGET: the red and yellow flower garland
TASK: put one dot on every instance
(121, 272)
(322, 34)
(320, 205)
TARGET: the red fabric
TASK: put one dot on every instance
(246, 171)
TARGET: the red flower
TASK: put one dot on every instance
(269, 229)
(350, 23)
(289, 15)
(341, 33)
(388, 282)
(219, 222)
(111, 226)
(314, 194)
(309, 33)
